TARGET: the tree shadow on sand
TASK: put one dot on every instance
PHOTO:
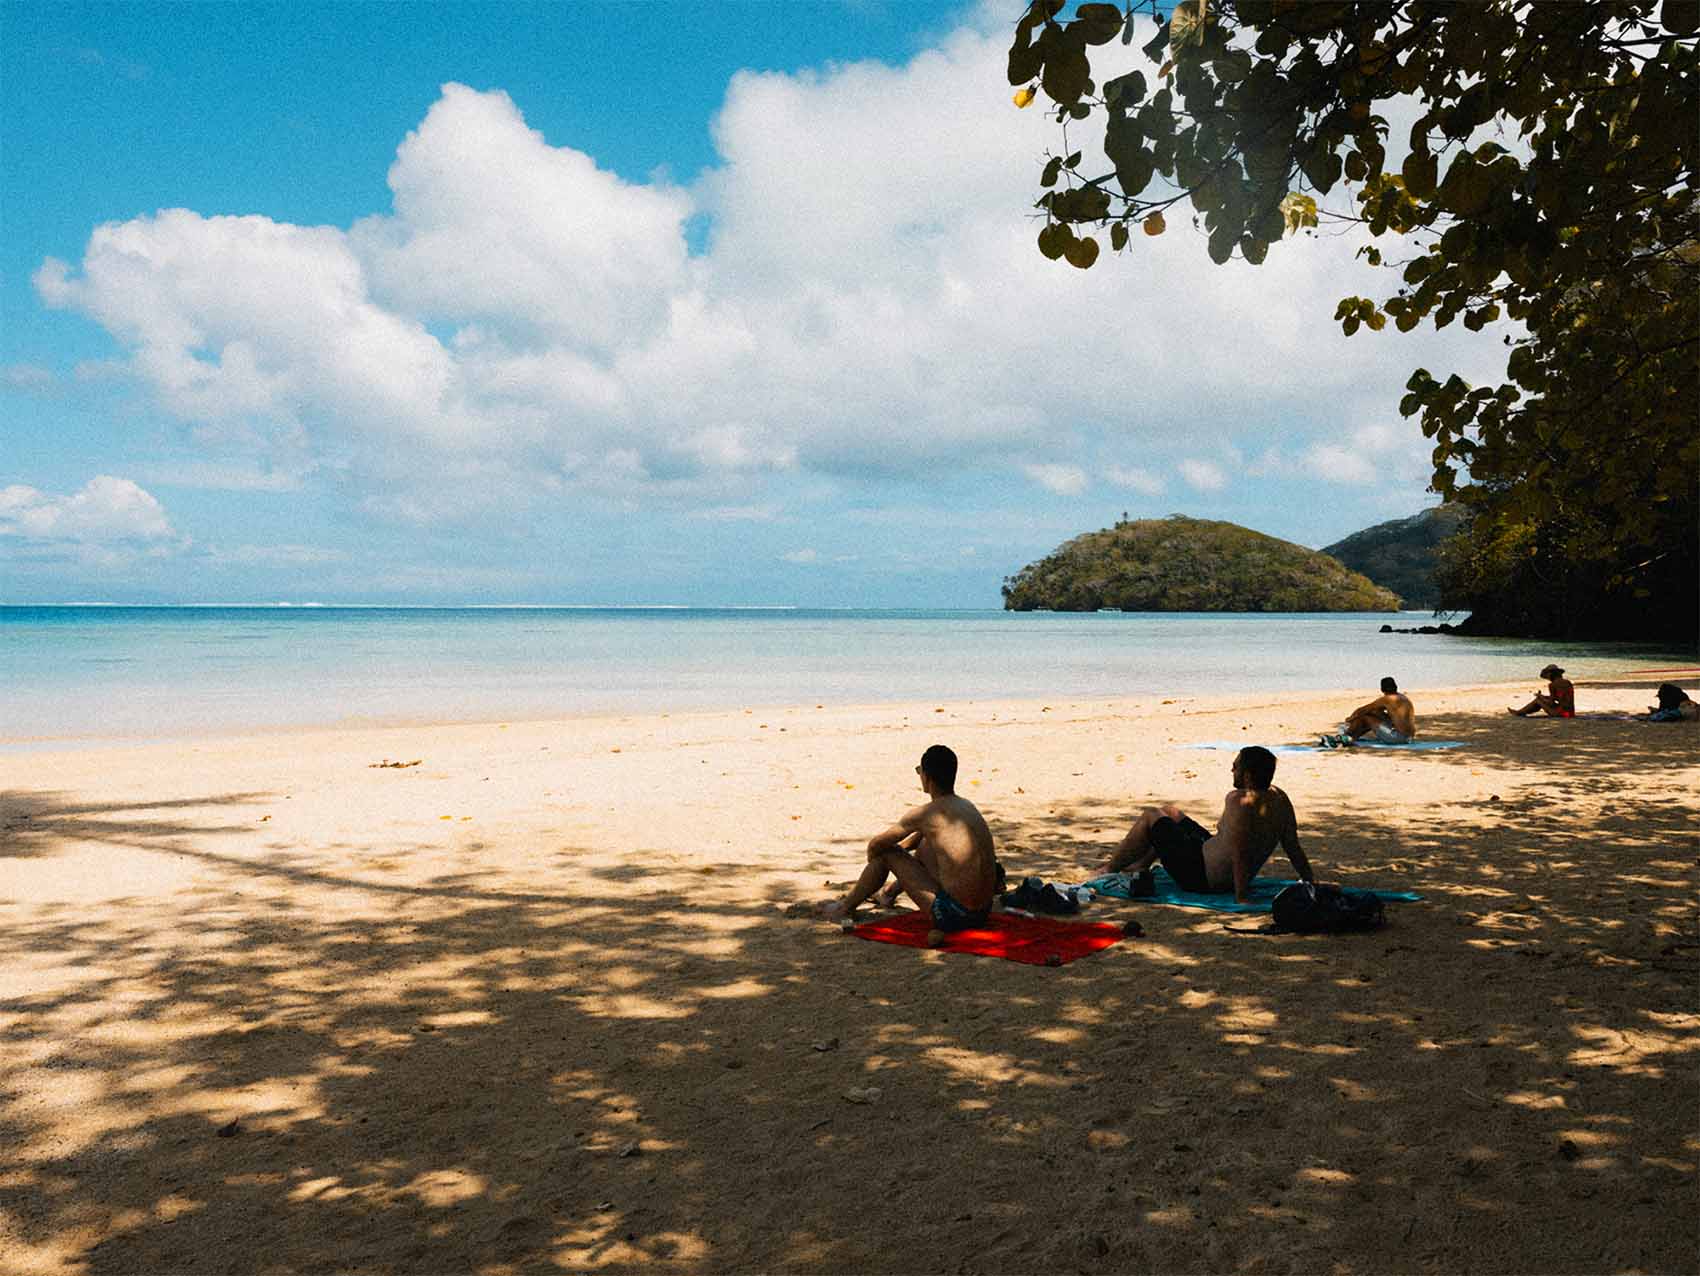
(616, 1072)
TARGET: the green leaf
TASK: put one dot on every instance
(1054, 239)
(1125, 91)
(1098, 23)
(1297, 211)
(1419, 171)
(1124, 145)
(1025, 64)
(1221, 244)
(1067, 72)
(1082, 253)
(1053, 168)
(1118, 236)
(1680, 16)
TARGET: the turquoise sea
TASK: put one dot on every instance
(78, 674)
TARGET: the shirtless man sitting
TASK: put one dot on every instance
(1557, 701)
(940, 853)
(1256, 817)
(1390, 717)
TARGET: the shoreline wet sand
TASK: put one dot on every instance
(532, 1004)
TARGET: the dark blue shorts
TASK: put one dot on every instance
(950, 917)
(1180, 846)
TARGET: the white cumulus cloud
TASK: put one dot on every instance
(109, 521)
(105, 509)
(1064, 480)
(1206, 476)
(1368, 452)
(1136, 478)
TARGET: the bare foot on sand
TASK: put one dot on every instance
(888, 897)
(834, 911)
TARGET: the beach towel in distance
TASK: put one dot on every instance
(1035, 941)
(1263, 892)
(1410, 746)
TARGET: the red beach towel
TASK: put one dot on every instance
(1037, 941)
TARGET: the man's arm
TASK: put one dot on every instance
(1376, 708)
(893, 838)
(1290, 845)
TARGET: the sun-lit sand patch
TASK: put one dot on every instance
(630, 1006)
(1172, 1217)
(440, 1189)
(1534, 1099)
(985, 1066)
(1624, 1050)
(1061, 1036)
(737, 988)
(1246, 1014)
(1319, 1176)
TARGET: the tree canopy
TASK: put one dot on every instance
(1577, 220)
(1189, 564)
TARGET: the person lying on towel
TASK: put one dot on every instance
(1256, 817)
(940, 853)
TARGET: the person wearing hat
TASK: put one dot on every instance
(1557, 701)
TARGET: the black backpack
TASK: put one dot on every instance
(1311, 909)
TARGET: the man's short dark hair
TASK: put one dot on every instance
(940, 763)
(1258, 764)
(1670, 695)
(1389, 687)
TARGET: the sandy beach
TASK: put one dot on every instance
(531, 1002)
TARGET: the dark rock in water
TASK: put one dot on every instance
(1442, 628)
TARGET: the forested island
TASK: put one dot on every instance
(1400, 554)
(1189, 564)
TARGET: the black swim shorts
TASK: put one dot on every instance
(950, 917)
(1180, 846)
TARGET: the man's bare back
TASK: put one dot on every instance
(1253, 823)
(956, 844)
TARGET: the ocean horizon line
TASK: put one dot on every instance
(92, 605)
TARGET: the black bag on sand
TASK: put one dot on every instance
(1311, 909)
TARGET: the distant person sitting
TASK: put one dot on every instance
(1674, 705)
(940, 853)
(1557, 701)
(1389, 718)
(1256, 817)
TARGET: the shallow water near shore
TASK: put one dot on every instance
(88, 673)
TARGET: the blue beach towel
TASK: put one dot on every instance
(1263, 893)
(1415, 746)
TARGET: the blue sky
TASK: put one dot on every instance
(619, 303)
